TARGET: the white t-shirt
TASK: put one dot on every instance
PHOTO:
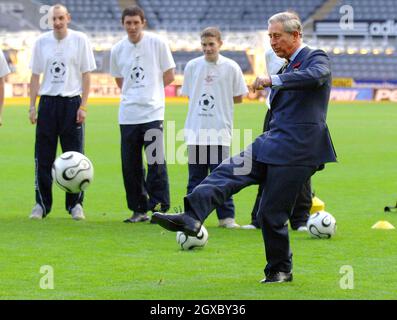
(141, 66)
(4, 70)
(211, 88)
(273, 65)
(62, 63)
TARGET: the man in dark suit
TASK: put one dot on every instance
(296, 145)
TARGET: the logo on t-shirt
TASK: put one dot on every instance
(137, 75)
(58, 70)
(207, 102)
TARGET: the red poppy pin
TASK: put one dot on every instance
(296, 66)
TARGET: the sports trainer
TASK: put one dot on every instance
(296, 145)
(65, 58)
(142, 65)
(213, 84)
(4, 70)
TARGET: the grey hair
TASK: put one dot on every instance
(290, 21)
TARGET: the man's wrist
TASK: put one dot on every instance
(84, 108)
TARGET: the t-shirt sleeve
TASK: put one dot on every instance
(239, 85)
(87, 62)
(114, 68)
(186, 91)
(166, 60)
(4, 70)
(36, 61)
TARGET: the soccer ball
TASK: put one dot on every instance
(321, 225)
(58, 69)
(188, 242)
(137, 74)
(73, 172)
(207, 102)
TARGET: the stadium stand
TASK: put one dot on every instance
(11, 17)
(364, 67)
(367, 52)
(368, 9)
(233, 15)
(94, 15)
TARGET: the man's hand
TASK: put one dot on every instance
(81, 115)
(32, 115)
(261, 82)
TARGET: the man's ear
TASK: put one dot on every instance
(296, 34)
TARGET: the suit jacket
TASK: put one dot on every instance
(297, 132)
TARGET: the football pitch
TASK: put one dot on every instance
(104, 258)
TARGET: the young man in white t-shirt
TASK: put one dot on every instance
(4, 70)
(142, 65)
(213, 84)
(65, 58)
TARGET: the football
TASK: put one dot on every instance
(207, 102)
(73, 172)
(188, 242)
(321, 225)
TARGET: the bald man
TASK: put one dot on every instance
(65, 59)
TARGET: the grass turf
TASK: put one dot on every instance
(103, 258)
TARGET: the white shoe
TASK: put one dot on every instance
(228, 223)
(77, 212)
(37, 212)
(302, 229)
(249, 227)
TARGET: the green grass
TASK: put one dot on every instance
(103, 258)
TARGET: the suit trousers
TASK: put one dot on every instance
(282, 185)
(56, 119)
(203, 158)
(151, 191)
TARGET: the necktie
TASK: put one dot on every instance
(282, 70)
(284, 67)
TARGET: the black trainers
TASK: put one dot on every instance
(137, 217)
(278, 277)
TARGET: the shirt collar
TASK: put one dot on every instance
(217, 62)
(297, 52)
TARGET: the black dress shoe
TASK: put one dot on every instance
(277, 277)
(177, 222)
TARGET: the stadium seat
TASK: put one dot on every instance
(250, 14)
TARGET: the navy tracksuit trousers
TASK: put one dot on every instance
(150, 192)
(204, 158)
(56, 120)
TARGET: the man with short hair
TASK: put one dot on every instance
(4, 70)
(213, 84)
(66, 60)
(142, 65)
(296, 145)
